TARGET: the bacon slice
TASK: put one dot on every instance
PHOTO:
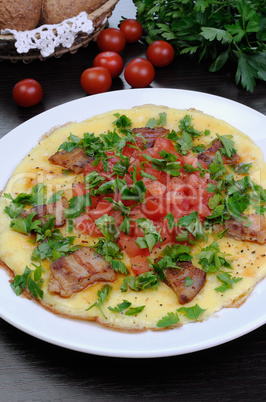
(209, 155)
(45, 211)
(237, 230)
(150, 134)
(175, 278)
(78, 270)
(75, 160)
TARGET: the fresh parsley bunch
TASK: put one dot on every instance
(218, 31)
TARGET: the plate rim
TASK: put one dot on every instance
(252, 325)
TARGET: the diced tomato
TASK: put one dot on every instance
(139, 142)
(155, 208)
(117, 217)
(88, 169)
(138, 168)
(190, 160)
(127, 243)
(166, 233)
(128, 179)
(103, 207)
(85, 225)
(203, 210)
(139, 265)
(128, 150)
(152, 153)
(161, 176)
(155, 188)
(79, 189)
(164, 144)
(135, 230)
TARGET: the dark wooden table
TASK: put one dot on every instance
(32, 370)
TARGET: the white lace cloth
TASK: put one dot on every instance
(47, 37)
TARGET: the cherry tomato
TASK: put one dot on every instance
(111, 39)
(110, 60)
(95, 80)
(160, 53)
(27, 92)
(132, 29)
(139, 73)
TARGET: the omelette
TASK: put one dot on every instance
(147, 218)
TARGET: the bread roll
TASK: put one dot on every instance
(21, 15)
(55, 11)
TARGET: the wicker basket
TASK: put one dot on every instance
(99, 18)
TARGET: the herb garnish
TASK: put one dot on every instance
(219, 31)
(227, 281)
(168, 321)
(151, 238)
(32, 279)
(141, 282)
(126, 305)
(212, 259)
(193, 313)
(102, 297)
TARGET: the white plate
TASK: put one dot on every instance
(89, 337)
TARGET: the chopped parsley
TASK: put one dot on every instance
(227, 281)
(212, 259)
(168, 321)
(143, 281)
(193, 313)
(151, 238)
(161, 121)
(106, 224)
(125, 307)
(31, 279)
(168, 163)
(102, 297)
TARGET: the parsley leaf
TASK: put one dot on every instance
(126, 305)
(141, 282)
(193, 225)
(221, 32)
(228, 145)
(227, 281)
(106, 224)
(212, 259)
(151, 238)
(93, 179)
(168, 321)
(54, 247)
(168, 163)
(161, 121)
(102, 297)
(188, 281)
(32, 279)
(241, 168)
(193, 313)
(26, 225)
(77, 205)
(122, 123)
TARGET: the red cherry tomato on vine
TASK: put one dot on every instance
(110, 60)
(27, 92)
(132, 29)
(95, 80)
(139, 73)
(160, 53)
(111, 39)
